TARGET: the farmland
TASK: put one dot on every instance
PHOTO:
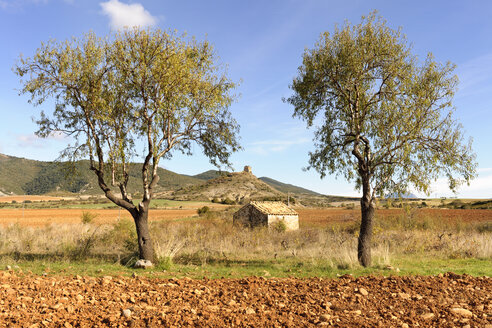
(213, 273)
(309, 217)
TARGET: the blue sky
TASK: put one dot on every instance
(262, 43)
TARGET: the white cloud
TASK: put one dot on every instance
(31, 140)
(127, 15)
(480, 187)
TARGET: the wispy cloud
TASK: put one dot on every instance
(31, 140)
(475, 75)
(123, 15)
(27, 140)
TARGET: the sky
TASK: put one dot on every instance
(262, 43)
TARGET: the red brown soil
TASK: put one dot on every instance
(431, 301)
(324, 216)
(42, 217)
(307, 216)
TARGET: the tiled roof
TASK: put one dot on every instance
(275, 208)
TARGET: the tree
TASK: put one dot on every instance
(383, 119)
(141, 90)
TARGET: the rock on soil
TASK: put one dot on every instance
(447, 301)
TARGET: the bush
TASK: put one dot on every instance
(280, 226)
(123, 234)
(228, 201)
(350, 206)
(88, 217)
(203, 210)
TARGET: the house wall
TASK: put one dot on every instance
(258, 218)
(291, 221)
(250, 216)
(242, 216)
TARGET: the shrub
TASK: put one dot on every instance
(203, 210)
(280, 226)
(123, 234)
(228, 201)
(88, 217)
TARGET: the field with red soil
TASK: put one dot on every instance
(41, 217)
(307, 216)
(326, 216)
(433, 301)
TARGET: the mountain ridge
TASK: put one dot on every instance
(22, 176)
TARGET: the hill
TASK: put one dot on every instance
(239, 187)
(24, 176)
(287, 188)
(210, 174)
(280, 186)
(21, 176)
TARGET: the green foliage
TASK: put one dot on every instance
(55, 176)
(113, 91)
(386, 118)
(280, 226)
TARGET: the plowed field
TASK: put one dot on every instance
(435, 301)
(320, 217)
(41, 217)
(307, 216)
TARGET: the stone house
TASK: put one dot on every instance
(267, 214)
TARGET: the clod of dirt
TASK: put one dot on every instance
(462, 312)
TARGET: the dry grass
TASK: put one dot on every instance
(213, 238)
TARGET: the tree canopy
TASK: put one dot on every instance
(136, 93)
(377, 105)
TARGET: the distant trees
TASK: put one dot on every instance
(382, 118)
(139, 92)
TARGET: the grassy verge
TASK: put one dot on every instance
(267, 269)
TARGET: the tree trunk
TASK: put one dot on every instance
(145, 245)
(365, 235)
